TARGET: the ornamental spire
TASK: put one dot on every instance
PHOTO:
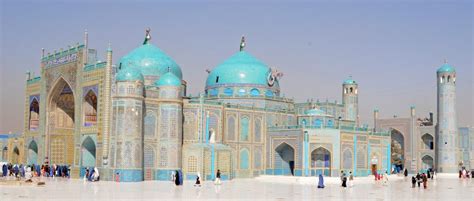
(147, 36)
(242, 43)
(445, 60)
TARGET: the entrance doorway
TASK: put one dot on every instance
(284, 160)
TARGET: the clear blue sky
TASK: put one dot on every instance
(391, 48)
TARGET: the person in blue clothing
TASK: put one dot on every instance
(321, 181)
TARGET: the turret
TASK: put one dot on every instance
(171, 132)
(446, 132)
(126, 147)
(350, 99)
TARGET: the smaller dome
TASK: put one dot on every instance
(349, 81)
(129, 74)
(168, 79)
(315, 112)
(446, 68)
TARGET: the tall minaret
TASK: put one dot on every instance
(446, 132)
(107, 107)
(350, 99)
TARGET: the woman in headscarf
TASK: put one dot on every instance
(4, 170)
(198, 180)
(176, 178)
(405, 172)
(321, 181)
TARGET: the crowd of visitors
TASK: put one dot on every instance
(27, 172)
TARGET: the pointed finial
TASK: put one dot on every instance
(147, 36)
(445, 60)
(242, 43)
(42, 52)
(109, 48)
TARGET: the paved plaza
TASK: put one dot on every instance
(445, 187)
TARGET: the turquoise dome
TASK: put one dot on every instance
(168, 79)
(129, 74)
(349, 81)
(240, 68)
(315, 112)
(150, 60)
(446, 68)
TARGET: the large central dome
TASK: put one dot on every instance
(240, 68)
(150, 60)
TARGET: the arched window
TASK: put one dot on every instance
(90, 109)
(244, 129)
(347, 159)
(230, 128)
(269, 93)
(213, 92)
(244, 159)
(350, 89)
(192, 164)
(443, 79)
(330, 123)
(242, 92)
(258, 130)
(255, 92)
(163, 157)
(449, 78)
(34, 114)
(345, 90)
(228, 91)
(150, 124)
(318, 123)
(303, 122)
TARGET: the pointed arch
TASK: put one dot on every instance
(397, 148)
(428, 141)
(34, 114)
(244, 128)
(347, 159)
(15, 155)
(89, 108)
(284, 161)
(230, 128)
(88, 152)
(427, 162)
(150, 124)
(32, 157)
(244, 159)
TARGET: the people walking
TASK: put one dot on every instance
(405, 172)
(176, 178)
(321, 181)
(344, 180)
(413, 181)
(218, 178)
(351, 179)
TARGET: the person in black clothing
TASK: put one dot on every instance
(344, 180)
(218, 177)
(428, 174)
(176, 178)
(413, 181)
(405, 172)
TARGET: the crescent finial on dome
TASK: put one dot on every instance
(147, 36)
(242, 43)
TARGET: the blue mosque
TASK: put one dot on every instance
(133, 118)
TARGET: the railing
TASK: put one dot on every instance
(342, 128)
(228, 105)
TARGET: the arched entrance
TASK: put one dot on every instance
(284, 160)
(427, 162)
(60, 121)
(397, 150)
(15, 155)
(88, 152)
(321, 161)
(32, 153)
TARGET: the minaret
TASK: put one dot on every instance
(350, 99)
(376, 116)
(446, 132)
(107, 106)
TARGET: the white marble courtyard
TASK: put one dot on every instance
(445, 187)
